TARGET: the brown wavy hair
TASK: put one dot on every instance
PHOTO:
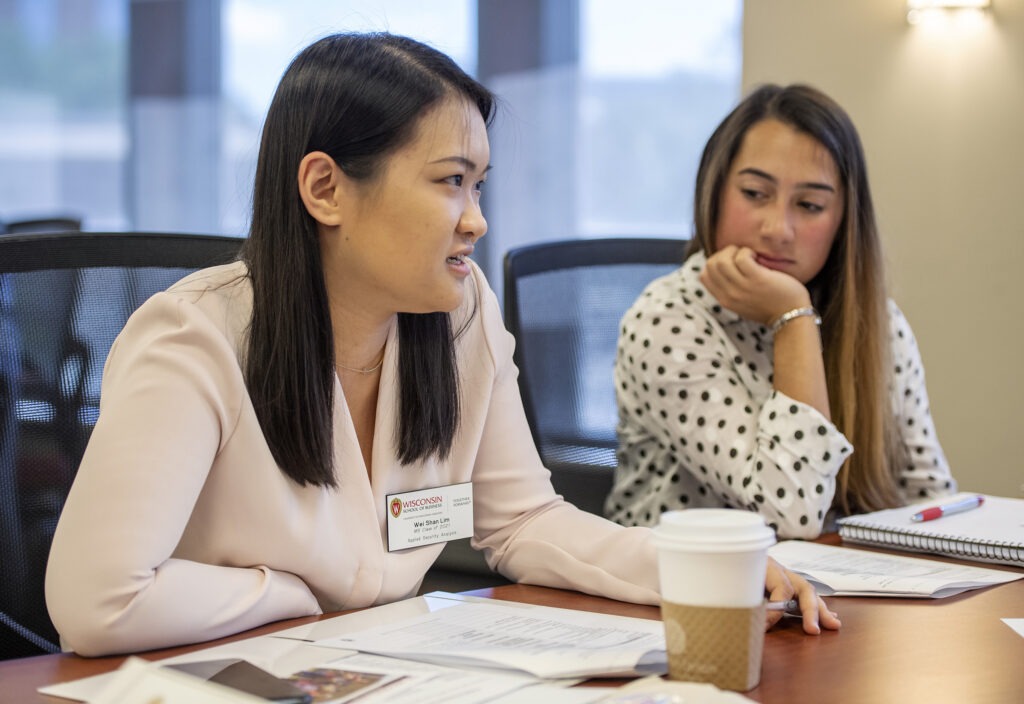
(849, 291)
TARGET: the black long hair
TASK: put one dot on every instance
(358, 98)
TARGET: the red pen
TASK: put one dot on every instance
(965, 504)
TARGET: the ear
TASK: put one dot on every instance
(319, 187)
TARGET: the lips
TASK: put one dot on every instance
(461, 256)
(773, 262)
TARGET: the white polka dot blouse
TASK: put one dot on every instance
(700, 424)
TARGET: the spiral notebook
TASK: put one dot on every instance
(993, 532)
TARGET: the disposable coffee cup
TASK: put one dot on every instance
(711, 566)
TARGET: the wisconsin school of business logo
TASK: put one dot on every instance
(396, 507)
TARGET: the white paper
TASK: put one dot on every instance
(550, 693)
(425, 683)
(81, 690)
(141, 682)
(1016, 624)
(285, 652)
(279, 657)
(385, 613)
(649, 690)
(654, 690)
(837, 571)
(282, 652)
(543, 641)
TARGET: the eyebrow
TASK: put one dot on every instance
(468, 163)
(807, 184)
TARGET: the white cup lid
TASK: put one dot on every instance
(713, 530)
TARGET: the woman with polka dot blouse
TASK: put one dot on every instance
(729, 394)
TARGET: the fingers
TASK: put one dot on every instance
(713, 276)
(813, 608)
(777, 583)
(817, 615)
(782, 585)
(746, 262)
(739, 283)
(809, 607)
(779, 588)
(828, 618)
(722, 278)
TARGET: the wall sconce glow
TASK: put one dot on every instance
(924, 10)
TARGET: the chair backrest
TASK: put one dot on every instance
(564, 301)
(64, 297)
(55, 223)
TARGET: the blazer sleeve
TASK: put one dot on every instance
(527, 532)
(172, 390)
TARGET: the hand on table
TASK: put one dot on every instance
(783, 585)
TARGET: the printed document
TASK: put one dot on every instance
(424, 683)
(836, 571)
(543, 641)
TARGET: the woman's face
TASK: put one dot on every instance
(783, 199)
(406, 233)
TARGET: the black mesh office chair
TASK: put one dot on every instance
(63, 299)
(563, 303)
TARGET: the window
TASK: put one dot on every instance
(262, 36)
(606, 144)
(74, 141)
(610, 146)
(655, 82)
(63, 138)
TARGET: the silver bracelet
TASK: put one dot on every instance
(795, 313)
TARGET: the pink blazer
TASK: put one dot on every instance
(180, 527)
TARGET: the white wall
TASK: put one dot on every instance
(941, 112)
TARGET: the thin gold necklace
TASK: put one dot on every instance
(367, 370)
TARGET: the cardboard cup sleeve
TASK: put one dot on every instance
(721, 646)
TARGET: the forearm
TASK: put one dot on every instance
(564, 547)
(180, 602)
(799, 368)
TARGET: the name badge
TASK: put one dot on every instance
(429, 516)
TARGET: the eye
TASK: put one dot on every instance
(811, 207)
(752, 193)
(479, 185)
(455, 180)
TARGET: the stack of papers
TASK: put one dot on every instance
(540, 641)
(836, 571)
(141, 682)
(430, 649)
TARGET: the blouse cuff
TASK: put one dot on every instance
(801, 436)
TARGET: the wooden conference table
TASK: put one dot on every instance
(955, 649)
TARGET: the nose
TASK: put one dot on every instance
(777, 224)
(472, 223)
